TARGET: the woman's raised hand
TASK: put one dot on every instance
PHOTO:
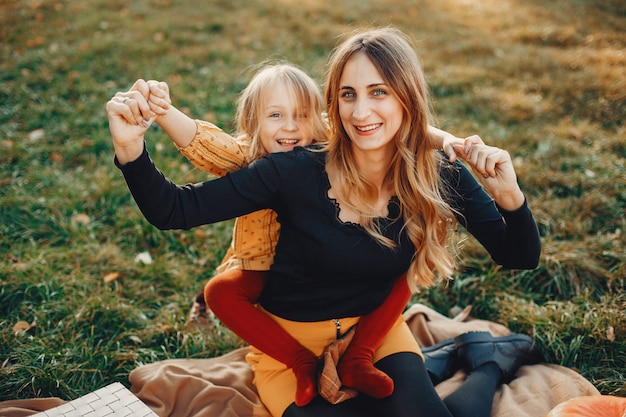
(129, 117)
(494, 169)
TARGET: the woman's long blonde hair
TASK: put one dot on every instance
(251, 102)
(415, 168)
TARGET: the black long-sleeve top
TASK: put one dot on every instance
(324, 268)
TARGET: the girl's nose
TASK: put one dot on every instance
(291, 124)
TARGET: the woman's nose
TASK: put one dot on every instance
(361, 109)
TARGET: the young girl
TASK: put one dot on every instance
(280, 109)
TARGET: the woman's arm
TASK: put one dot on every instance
(505, 227)
(163, 203)
(494, 169)
(167, 205)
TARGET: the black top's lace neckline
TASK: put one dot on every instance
(393, 207)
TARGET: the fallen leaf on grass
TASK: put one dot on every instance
(36, 134)
(610, 333)
(167, 328)
(80, 219)
(108, 278)
(56, 157)
(144, 258)
(22, 326)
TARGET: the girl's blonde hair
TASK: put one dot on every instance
(251, 102)
(415, 168)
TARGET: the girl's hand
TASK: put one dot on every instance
(449, 143)
(159, 98)
(136, 99)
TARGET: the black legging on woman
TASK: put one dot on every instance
(414, 394)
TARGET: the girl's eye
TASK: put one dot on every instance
(274, 115)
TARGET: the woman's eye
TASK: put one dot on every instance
(347, 94)
(379, 92)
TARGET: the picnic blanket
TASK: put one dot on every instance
(222, 386)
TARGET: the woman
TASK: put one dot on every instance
(372, 205)
(280, 109)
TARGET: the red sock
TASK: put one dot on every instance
(356, 369)
(231, 295)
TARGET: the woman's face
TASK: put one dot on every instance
(370, 112)
(281, 127)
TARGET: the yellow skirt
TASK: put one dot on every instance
(276, 383)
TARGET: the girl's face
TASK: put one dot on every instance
(281, 127)
(370, 112)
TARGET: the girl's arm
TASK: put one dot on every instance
(205, 145)
(177, 125)
(446, 141)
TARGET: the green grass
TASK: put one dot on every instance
(547, 81)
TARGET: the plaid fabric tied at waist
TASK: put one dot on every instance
(329, 386)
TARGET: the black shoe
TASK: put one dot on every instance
(441, 360)
(508, 352)
(199, 316)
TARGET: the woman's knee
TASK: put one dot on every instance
(414, 393)
(361, 406)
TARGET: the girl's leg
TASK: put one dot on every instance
(355, 368)
(413, 395)
(231, 295)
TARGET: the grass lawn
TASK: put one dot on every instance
(78, 307)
